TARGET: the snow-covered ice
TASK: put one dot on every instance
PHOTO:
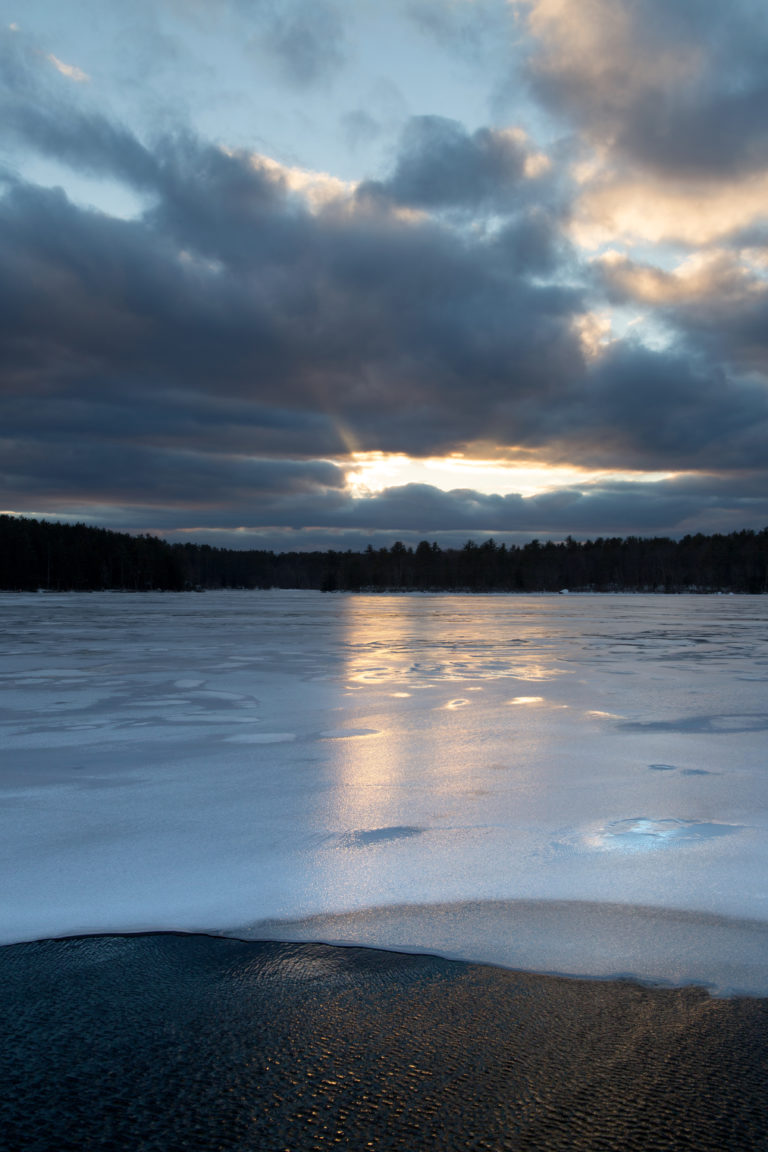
(570, 783)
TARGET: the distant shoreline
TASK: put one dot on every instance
(39, 554)
(385, 591)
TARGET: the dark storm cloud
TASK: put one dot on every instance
(228, 286)
(440, 165)
(393, 335)
(679, 85)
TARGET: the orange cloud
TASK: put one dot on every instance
(68, 70)
(637, 206)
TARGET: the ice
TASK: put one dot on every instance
(571, 784)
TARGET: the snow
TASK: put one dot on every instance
(570, 784)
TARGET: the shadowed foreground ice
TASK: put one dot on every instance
(571, 784)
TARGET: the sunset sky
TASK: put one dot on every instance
(324, 273)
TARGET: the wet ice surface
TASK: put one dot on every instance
(352, 767)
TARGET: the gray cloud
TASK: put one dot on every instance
(720, 305)
(360, 128)
(441, 165)
(353, 329)
(473, 32)
(276, 517)
(663, 410)
(305, 39)
(213, 351)
(226, 285)
(679, 85)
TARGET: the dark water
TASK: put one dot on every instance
(170, 1042)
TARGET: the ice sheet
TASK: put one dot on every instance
(211, 762)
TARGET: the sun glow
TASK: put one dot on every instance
(373, 472)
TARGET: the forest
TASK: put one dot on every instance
(46, 555)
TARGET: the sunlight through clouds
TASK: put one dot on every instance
(372, 272)
(373, 472)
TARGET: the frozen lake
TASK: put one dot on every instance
(564, 783)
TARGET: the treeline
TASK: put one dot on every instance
(74, 557)
(40, 554)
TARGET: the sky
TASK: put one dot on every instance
(324, 273)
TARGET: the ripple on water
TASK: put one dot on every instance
(166, 1042)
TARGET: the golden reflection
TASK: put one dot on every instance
(395, 662)
(540, 672)
(402, 653)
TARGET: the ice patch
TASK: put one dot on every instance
(262, 738)
(641, 834)
(365, 836)
(347, 733)
(713, 724)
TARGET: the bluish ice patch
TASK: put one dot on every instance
(640, 834)
(347, 733)
(364, 836)
(663, 767)
(712, 725)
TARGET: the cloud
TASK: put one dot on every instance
(667, 100)
(472, 30)
(655, 409)
(360, 127)
(717, 300)
(304, 39)
(630, 206)
(242, 515)
(229, 347)
(370, 321)
(678, 86)
(122, 472)
(68, 70)
(331, 331)
(717, 274)
(441, 165)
